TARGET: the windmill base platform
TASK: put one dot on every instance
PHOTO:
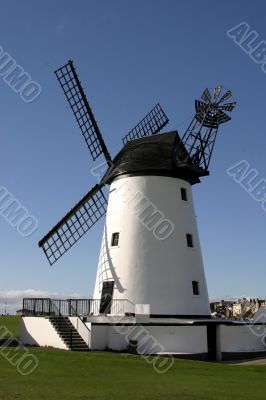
(202, 339)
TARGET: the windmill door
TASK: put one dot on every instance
(212, 343)
(106, 297)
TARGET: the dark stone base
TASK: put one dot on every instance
(197, 356)
(245, 355)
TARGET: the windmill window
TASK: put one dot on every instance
(195, 287)
(184, 194)
(189, 240)
(115, 239)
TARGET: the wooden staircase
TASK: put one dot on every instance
(68, 333)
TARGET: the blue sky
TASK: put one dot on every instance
(129, 55)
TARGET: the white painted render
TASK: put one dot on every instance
(40, 332)
(241, 338)
(151, 339)
(99, 337)
(145, 268)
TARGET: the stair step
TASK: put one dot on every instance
(73, 337)
(62, 328)
(68, 333)
(74, 341)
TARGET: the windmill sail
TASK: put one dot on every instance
(152, 123)
(79, 104)
(74, 224)
(93, 205)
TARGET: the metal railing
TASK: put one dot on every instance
(74, 307)
(80, 326)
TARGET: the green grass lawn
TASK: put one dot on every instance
(11, 323)
(82, 376)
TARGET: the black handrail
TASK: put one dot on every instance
(77, 307)
(75, 314)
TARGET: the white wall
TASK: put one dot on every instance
(246, 338)
(99, 337)
(180, 339)
(260, 315)
(151, 339)
(147, 270)
(39, 331)
(84, 329)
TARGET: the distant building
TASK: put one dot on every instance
(221, 309)
(243, 308)
(238, 309)
(246, 308)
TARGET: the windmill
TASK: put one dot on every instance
(150, 252)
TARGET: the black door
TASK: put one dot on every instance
(211, 338)
(106, 297)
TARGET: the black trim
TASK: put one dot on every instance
(242, 355)
(179, 316)
(182, 316)
(200, 323)
(194, 323)
(139, 324)
(154, 173)
(189, 356)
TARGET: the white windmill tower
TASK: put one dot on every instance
(150, 251)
